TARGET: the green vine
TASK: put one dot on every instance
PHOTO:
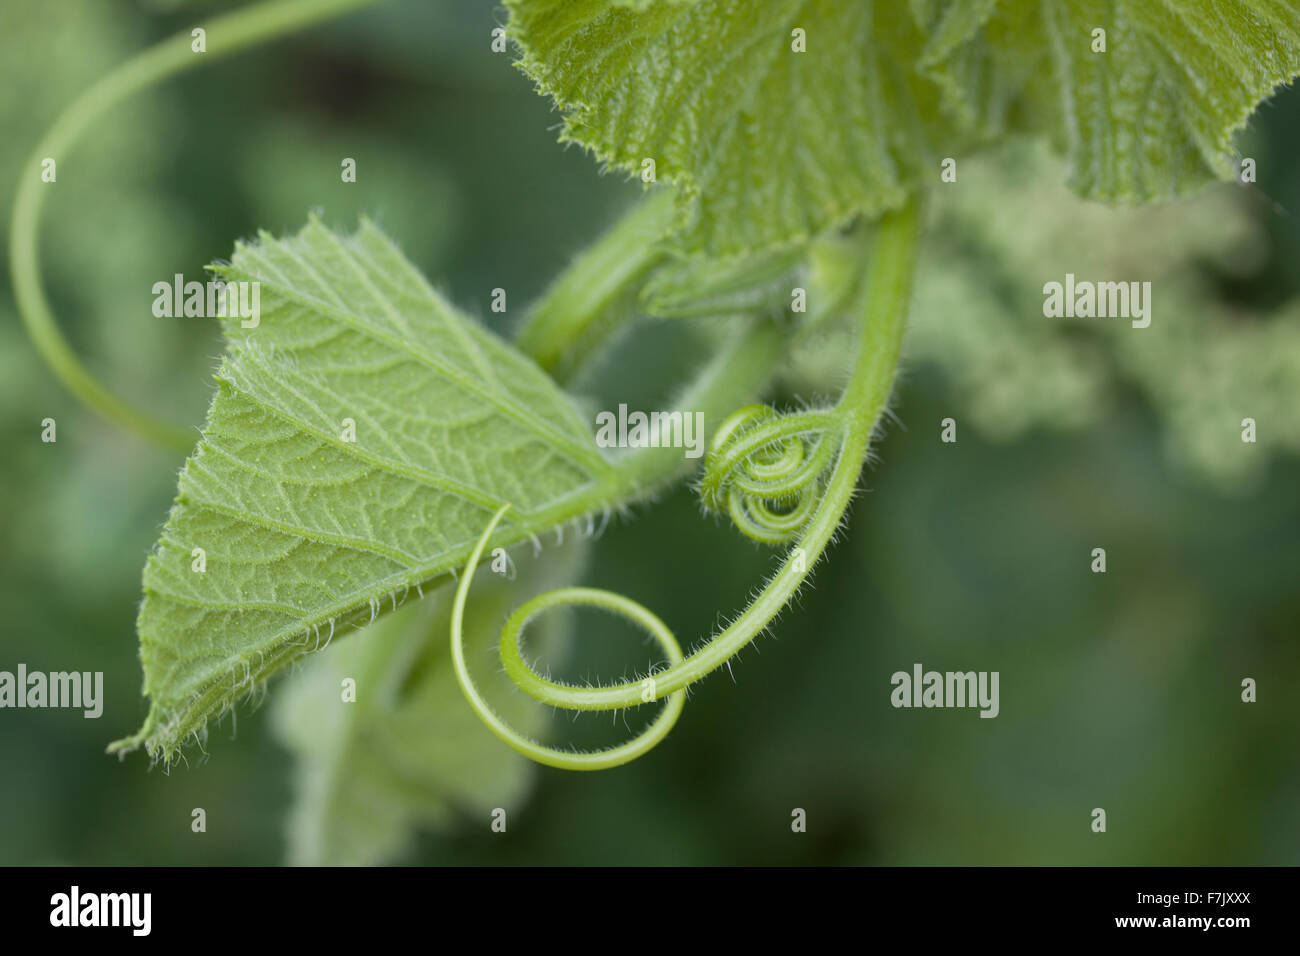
(782, 478)
(775, 474)
(765, 470)
(225, 35)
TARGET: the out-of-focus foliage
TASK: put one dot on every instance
(105, 191)
(1204, 363)
(408, 751)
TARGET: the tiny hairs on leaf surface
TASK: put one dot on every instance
(308, 534)
(714, 93)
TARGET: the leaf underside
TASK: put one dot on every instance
(772, 146)
(306, 533)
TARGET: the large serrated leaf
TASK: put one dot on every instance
(362, 435)
(773, 145)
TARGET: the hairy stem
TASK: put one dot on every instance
(883, 316)
(225, 35)
(579, 309)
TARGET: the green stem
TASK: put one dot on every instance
(225, 35)
(579, 309)
(884, 312)
(741, 368)
(888, 294)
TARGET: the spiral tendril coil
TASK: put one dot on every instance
(560, 695)
(767, 470)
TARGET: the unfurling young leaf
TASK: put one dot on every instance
(362, 435)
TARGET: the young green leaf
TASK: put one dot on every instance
(362, 434)
(781, 124)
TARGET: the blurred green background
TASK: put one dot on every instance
(1118, 691)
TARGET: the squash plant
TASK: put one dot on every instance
(369, 444)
